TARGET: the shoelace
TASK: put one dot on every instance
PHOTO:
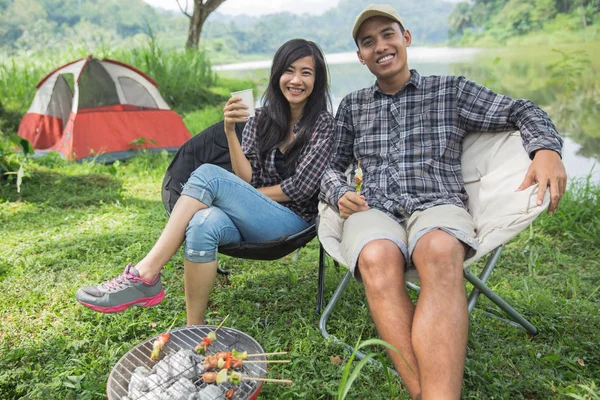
(122, 279)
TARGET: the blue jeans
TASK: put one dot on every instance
(236, 213)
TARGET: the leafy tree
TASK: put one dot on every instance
(202, 9)
(516, 15)
(460, 19)
(20, 17)
(506, 18)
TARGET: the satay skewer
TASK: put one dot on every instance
(249, 378)
(160, 342)
(358, 178)
(221, 324)
(202, 347)
(235, 378)
(266, 361)
(267, 354)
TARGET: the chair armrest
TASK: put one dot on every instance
(494, 165)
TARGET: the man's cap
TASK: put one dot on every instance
(375, 10)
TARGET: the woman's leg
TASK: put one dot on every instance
(208, 229)
(199, 279)
(258, 218)
(170, 239)
(252, 212)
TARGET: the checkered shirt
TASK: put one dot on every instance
(303, 186)
(410, 144)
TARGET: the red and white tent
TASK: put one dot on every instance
(94, 107)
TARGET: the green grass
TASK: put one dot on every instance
(77, 224)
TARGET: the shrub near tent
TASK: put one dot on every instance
(90, 107)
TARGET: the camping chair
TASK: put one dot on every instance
(493, 166)
(210, 146)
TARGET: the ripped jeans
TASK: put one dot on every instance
(236, 213)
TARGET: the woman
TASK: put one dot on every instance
(278, 167)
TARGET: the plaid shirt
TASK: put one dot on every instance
(410, 144)
(303, 186)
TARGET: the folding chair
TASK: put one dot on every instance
(210, 146)
(493, 166)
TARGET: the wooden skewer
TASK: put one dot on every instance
(266, 361)
(267, 354)
(248, 378)
(358, 165)
(172, 323)
(221, 324)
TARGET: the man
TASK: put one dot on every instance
(407, 132)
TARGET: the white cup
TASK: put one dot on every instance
(247, 99)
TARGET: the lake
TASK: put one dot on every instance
(562, 82)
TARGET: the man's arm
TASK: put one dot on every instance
(480, 109)
(334, 185)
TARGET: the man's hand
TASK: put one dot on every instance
(351, 203)
(547, 169)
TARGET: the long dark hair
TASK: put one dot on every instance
(274, 123)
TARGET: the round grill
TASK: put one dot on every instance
(188, 338)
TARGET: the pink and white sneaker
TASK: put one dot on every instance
(118, 294)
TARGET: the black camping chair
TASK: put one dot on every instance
(210, 146)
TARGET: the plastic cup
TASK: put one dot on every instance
(247, 99)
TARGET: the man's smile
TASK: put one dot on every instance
(385, 58)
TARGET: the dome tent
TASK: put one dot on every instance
(100, 108)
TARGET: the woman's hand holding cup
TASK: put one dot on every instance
(235, 111)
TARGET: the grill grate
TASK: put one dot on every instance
(186, 339)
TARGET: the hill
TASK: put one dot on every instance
(49, 25)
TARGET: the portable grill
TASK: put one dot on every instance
(188, 338)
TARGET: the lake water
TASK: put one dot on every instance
(519, 77)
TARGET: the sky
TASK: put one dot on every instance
(256, 7)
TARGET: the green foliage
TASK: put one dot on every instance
(13, 165)
(50, 24)
(562, 80)
(197, 121)
(331, 30)
(184, 76)
(78, 224)
(348, 379)
(494, 22)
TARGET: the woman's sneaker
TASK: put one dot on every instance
(122, 292)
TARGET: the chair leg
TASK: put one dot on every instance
(321, 280)
(325, 316)
(480, 285)
(296, 254)
(413, 286)
(330, 306)
(484, 276)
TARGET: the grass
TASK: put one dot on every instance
(77, 224)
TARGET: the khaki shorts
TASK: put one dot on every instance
(366, 226)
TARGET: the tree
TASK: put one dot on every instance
(460, 19)
(202, 9)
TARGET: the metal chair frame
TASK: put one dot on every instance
(479, 287)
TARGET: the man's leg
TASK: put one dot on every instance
(440, 325)
(381, 265)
